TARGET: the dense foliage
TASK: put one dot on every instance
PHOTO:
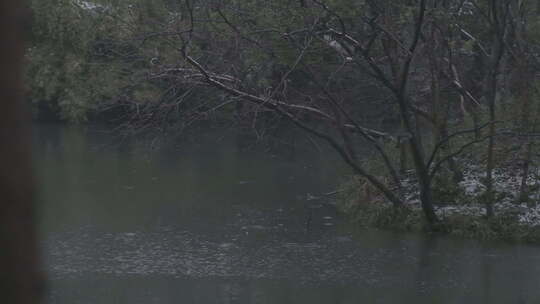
(83, 56)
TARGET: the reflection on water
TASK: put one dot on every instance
(207, 222)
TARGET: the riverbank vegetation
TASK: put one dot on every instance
(443, 93)
(460, 207)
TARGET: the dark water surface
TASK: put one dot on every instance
(208, 222)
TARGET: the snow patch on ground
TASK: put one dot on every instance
(531, 217)
(507, 188)
(87, 5)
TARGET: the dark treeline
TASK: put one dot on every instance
(458, 77)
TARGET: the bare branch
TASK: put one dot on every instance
(438, 164)
(443, 141)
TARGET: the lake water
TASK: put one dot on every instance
(207, 221)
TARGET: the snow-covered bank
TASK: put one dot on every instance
(506, 186)
(461, 209)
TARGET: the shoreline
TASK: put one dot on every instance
(460, 208)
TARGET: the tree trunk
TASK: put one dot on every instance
(528, 153)
(440, 118)
(20, 278)
(491, 94)
(402, 145)
(523, 91)
(523, 188)
(424, 180)
(421, 170)
(457, 175)
(489, 167)
(426, 200)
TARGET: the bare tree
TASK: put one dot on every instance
(312, 72)
(380, 48)
(497, 17)
(521, 53)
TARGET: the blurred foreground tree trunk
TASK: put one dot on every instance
(20, 277)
